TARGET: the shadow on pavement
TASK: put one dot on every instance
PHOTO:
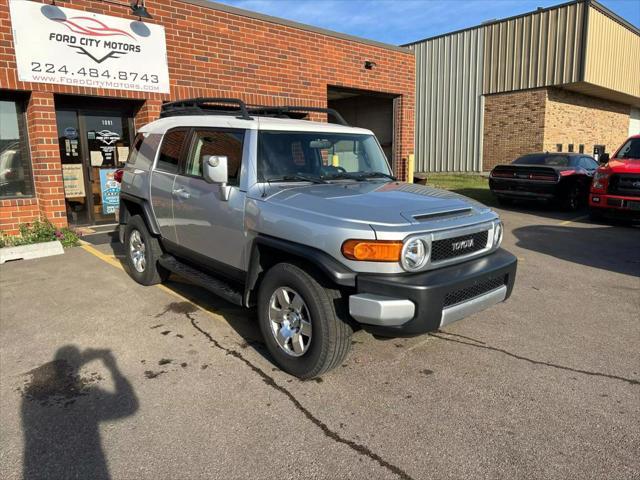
(614, 249)
(61, 413)
(243, 321)
(549, 211)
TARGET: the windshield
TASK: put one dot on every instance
(309, 156)
(631, 149)
(544, 159)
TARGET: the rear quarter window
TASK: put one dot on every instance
(144, 150)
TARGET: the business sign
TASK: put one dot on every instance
(71, 47)
(110, 191)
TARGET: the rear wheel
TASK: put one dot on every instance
(143, 252)
(300, 321)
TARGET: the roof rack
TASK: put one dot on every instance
(206, 106)
(235, 106)
(286, 111)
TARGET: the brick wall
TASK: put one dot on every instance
(579, 119)
(46, 168)
(529, 121)
(215, 53)
(513, 125)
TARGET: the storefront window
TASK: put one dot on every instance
(15, 165)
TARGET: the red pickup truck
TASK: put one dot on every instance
(615, 189)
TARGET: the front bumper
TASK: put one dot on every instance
(615, 203)
(413, 304)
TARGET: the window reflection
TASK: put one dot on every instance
(15, 166)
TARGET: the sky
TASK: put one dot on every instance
(403, 21)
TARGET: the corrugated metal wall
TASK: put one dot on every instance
(543, 48)
(613, 55)
(449, 104)
(536, 50)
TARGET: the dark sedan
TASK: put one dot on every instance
(562, 178)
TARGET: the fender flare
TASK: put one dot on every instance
(147, 212)
(335, 271)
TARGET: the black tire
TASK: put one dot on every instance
(151, 273)
(572, 200)
(595, 215)
(330, 337)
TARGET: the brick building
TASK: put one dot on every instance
(563, 78)
(61, 132)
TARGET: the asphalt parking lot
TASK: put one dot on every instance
(115, 380)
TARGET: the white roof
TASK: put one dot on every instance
(258, 123)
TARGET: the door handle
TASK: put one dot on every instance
(181, 193)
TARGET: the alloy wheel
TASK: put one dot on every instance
(290, 321)
(137, 251)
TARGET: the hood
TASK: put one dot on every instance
(628, 165)
(382, 203)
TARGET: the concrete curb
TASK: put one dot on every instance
(27, 252)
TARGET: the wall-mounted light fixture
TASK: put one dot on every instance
(369, 64)
(137, 7)
(139, 10)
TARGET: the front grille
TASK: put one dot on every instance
(457, 246)
(467, 293)
(627, 184)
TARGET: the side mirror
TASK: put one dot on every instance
(214, 169)
(604, 158)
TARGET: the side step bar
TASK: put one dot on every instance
(214, 285)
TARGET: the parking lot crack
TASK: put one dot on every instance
(270, 381)
(630, 381)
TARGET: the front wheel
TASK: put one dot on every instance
(300, 322)
(595, 215)
(573, 200)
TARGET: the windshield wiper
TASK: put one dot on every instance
(378, 175)
(297, 177)
(341, 175)
(359, 176)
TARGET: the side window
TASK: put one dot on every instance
(170, 151)
(216, 142)
(589, 163)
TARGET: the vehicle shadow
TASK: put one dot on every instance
(609, 248)
(62, 408)
(541, 209)
(243, 321)
(545, 210)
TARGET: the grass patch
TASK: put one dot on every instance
(472, 186)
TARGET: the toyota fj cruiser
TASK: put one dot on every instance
(304, 221)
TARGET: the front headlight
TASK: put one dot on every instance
(415, 254)
(498, 231)
(600, 180)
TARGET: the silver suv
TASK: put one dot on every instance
(304, 221)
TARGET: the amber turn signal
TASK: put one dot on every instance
(372, 250)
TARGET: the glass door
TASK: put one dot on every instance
(74, 172)
(93, 145)
(107, 141)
